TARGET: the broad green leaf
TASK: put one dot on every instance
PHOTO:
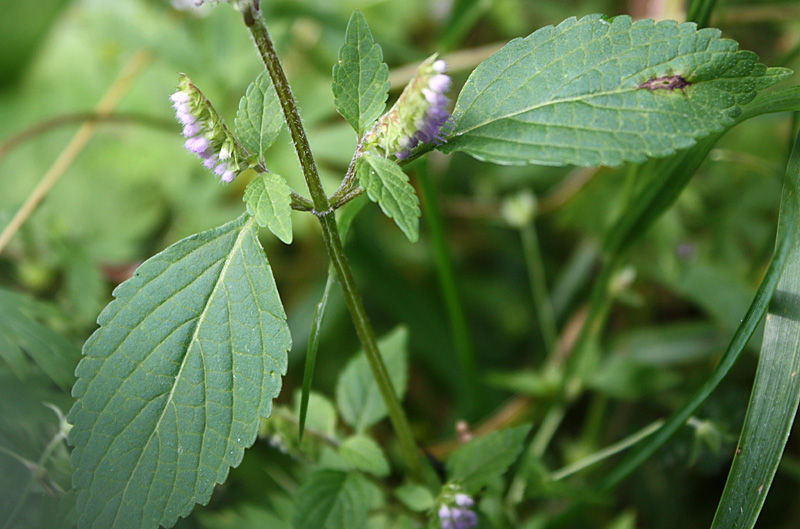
(594, 92)
(415, 497)
(481, 460)
(357, 395)
(776, 391)
(172, 385)
(22, 336)
(365, 455)
(331, 499)
(260, 118)
(269, 200)
(360, 77)
(388, 185)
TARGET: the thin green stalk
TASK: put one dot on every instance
(331, 238)
(607, 452)
(538, 285)
(447, 282)
(35, 475)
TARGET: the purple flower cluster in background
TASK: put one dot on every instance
(196, 132)
(458, 516)
(429, 127)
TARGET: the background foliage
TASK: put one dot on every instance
(134, 191)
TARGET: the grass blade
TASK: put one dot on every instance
(776, 391)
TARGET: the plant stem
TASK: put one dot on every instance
(447, 281)
(536, 278)
(607, 452)
(330, 235)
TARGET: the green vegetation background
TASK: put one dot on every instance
(135, 190)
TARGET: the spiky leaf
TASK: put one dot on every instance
(388, 185)
(269, 200)
(260, 118)
(187, 358)
(596, 92)
(360, 78)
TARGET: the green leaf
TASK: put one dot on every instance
(357, 395)
(388, 185)
(187, 358)
(260, 118)
(360, 78)
(594, 92)
(365, 455)
(331, 499)
(23, 336)
(322, 416)
(481, 460)
(269, 200)
(776, 391)
(415, 497)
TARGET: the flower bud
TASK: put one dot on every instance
(206, 133)
(420, 114)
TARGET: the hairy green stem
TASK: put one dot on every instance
(331, 238)
(447, 282)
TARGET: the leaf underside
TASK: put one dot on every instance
(269, 200)
(388, 185)
(360, 77)
(187, 358)
(591, 92)
(260, 118)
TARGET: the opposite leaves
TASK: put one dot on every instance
(388, 185)
(592, 92)
(360, 78)
(260, 118)
(187, 358)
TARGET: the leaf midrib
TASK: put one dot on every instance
(237, 244)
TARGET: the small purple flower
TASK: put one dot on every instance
(192, 129)
(458, 516)
(197, 145)
(462, 500)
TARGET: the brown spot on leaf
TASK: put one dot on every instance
(668, 82)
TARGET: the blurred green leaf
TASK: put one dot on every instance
(365, 455)
(269, 200)
(187, 358)
(592, 92)
(415, 497)
(360, 78)
(776, 391)
(388, 185)
(23, 336)
(331, 499)
(357, 394)
(260, 118)
(481, 460)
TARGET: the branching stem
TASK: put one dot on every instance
(331, 237)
